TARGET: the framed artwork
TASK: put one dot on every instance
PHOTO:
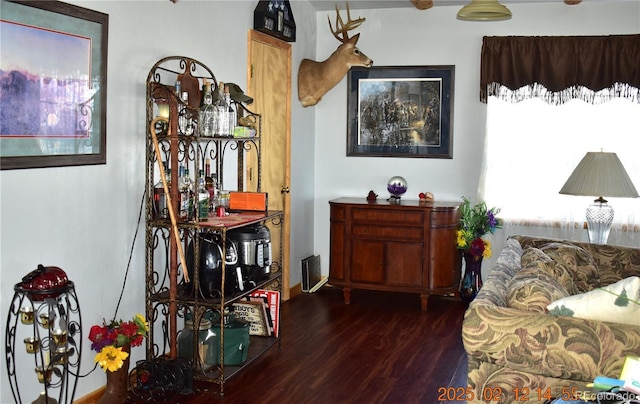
(53, 85)
(400, 111)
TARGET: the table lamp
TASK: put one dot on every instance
(600, 174)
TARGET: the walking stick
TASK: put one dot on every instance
(172, 214)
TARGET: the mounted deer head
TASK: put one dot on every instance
(316, 78)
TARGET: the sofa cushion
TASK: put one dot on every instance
(532, 289)
(535, 257)
(618, 303)
(577, 261)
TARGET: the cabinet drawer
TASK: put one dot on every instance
(388, 233)
(399, 217)
(444, 218)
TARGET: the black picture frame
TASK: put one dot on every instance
(52, 117)
(400, 111)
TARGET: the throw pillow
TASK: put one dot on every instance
(578, 261)
(618, 303)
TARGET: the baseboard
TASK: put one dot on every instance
(90, 398)
(295, 291)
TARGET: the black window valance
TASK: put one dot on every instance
(557, 69)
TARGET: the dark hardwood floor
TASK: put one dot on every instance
(379, 349)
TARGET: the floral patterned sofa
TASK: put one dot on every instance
(517, 350)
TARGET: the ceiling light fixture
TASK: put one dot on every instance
(484, 10)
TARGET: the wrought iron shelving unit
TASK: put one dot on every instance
(172, 291)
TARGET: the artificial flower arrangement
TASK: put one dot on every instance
(109, 339)
(475, 222)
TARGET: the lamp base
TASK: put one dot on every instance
(599, 219)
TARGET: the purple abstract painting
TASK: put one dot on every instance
(45, 83)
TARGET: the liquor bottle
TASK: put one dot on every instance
(209, 183)
(222, 113)
(160, 199)
(186, 195)
(233, 114)
(203, 198)
(185, 121)
(206, 115)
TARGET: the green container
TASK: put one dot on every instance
(236, 341)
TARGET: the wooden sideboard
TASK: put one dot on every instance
(408, 246)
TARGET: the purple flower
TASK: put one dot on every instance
(492, 219)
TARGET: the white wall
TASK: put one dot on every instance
(434, 37)
(83, 219)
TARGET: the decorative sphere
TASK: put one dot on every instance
(397, 186)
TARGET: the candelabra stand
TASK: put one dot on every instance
(44, 327)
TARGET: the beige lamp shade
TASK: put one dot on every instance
(484, 10)
(600, 174)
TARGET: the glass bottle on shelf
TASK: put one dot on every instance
(178, 89)
(186, 195)
(232, 112)
(206, 115)
(222, 113)
(209, 183)
(160, 198)
(203, 198)
(185, 123)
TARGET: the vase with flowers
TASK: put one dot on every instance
(475, 221)
(113, 342)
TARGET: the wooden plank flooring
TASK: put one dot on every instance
(379, 349)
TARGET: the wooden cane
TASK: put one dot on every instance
(172, 214)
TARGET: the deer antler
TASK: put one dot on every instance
(341, 27)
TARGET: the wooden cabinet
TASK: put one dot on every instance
(405, 247)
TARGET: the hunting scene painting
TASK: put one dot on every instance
(400, 112)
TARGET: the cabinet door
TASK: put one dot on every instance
(367, 261)
(445, 259)
(404, 264)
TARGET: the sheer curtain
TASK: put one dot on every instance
(532, 148)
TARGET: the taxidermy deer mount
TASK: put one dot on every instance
(316, 78)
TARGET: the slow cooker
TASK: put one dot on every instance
(254, 251)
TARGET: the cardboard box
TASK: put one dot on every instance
(255, 201)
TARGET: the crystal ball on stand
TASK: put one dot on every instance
(397, 186)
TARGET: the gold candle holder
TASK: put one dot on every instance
(59, 336)
(44, 373)
(26, 315)
(45, 321)
(32, 345)
(61, 356)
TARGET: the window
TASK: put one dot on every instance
(532, 147)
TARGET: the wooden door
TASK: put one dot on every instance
(269, 83)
